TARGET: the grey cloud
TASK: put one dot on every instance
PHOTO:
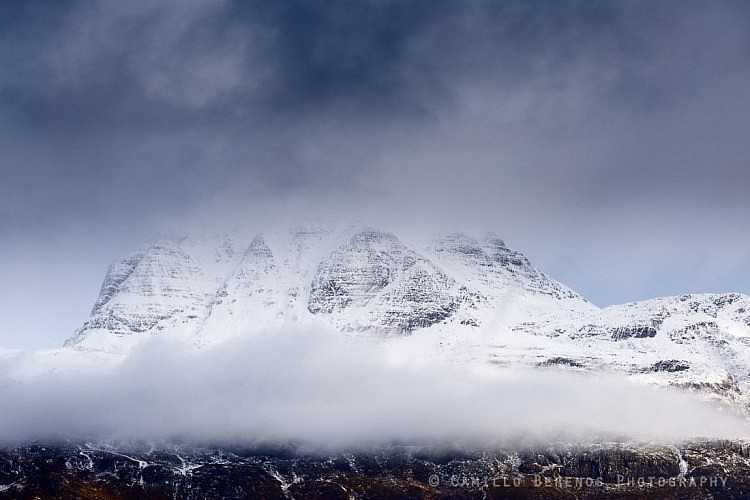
(574, 129)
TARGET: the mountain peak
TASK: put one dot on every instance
(357, 280)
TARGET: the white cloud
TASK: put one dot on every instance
(321, 389)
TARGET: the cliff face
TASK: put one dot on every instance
(374, 280)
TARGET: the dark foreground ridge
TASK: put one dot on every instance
(718, 469)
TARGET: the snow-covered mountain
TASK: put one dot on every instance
(359, 281)
(459, 297)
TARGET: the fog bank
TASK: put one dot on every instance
(318, 389)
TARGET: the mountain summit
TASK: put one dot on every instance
(460, 297)
(368, 280)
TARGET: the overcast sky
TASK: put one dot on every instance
(607, 140)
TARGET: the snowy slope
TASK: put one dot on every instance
(363, 280)
(458, 297)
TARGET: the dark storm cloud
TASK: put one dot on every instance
(114, 98)
(93, 82)
(84, 66)
(201, 63)
(604, 138)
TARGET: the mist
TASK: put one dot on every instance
(319, 390)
